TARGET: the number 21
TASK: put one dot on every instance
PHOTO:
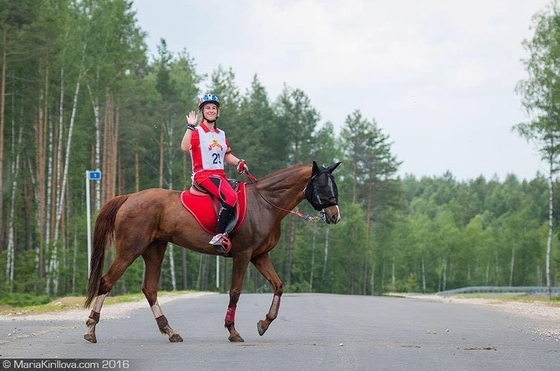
(216, 158)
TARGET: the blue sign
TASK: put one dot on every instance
(94, 175)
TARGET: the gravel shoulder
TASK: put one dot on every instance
(548, 312)
(534, 309)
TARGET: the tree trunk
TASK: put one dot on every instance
(136, 172)
(206, 272)
(10, 256)
(312, 259)
(40, 179)
(290, 252)
(423, 276)
(325, 259)
(372, 279)
(97, 146)
(496, 269)
(511, 266)
(161, 151)
(109, 158)
(444, 274)
(170, 150)
(487, 273)
(550, 228)
(184, 268)
(61, 189)
(369, 253)
(172, 267)
(75, 261)
(2, 114)
(50, 181)
(393, 278)
(354, 182)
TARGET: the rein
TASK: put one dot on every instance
(307, 217)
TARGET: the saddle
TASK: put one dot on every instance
(205, 207)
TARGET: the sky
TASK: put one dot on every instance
(437, 76)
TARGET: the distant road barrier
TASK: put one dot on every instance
(529, 290)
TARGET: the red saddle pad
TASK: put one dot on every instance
(204, 208)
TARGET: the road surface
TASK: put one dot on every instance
(312, 332)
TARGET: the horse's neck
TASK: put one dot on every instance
(284, 188)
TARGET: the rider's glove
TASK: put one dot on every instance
(242, 167)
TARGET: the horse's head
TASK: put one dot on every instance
(322, 193)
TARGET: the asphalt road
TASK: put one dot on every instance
(312, 332)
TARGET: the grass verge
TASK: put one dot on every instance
(76, 302)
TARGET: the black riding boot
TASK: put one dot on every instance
(225, 214)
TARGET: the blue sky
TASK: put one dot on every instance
(438, 76)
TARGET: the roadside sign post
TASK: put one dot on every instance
(90, 175)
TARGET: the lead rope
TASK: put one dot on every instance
(307, 217)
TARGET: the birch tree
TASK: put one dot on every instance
(540, 96)
(58, 134)
(13, 15)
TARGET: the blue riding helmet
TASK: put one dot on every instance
(208, 98)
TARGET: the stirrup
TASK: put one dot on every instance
(217, 239)
(222, 243)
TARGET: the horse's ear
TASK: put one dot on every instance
(332, 167)
(315, 168)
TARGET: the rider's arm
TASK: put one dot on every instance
(231, 159)
(186, 142)
(191, 122)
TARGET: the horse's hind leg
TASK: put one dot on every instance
(265, 267)
(118, 267)
(94, 319)
(153, 258)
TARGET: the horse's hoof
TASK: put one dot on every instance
(261, 328)
(236, 338)
(91, 338)
(176, 338)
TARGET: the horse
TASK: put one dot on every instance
(143, 223)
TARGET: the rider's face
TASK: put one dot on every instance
(210, 111)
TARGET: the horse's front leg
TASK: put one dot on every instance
(240, 263)
(265, 267)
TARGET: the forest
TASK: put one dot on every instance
(79, 92)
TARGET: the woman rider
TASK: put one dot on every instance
(209, 149)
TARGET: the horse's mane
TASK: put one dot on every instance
(278, 178)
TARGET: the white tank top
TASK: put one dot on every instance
(213, 148)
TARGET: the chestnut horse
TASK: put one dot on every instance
(142, 223)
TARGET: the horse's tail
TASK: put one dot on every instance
(102, 235)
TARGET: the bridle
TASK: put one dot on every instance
(309, 196)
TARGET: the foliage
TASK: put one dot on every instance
(81, 93)
(23, 300)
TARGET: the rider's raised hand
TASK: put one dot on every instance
(192, 118)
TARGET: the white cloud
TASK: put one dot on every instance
(468, 74)
(437, 75)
